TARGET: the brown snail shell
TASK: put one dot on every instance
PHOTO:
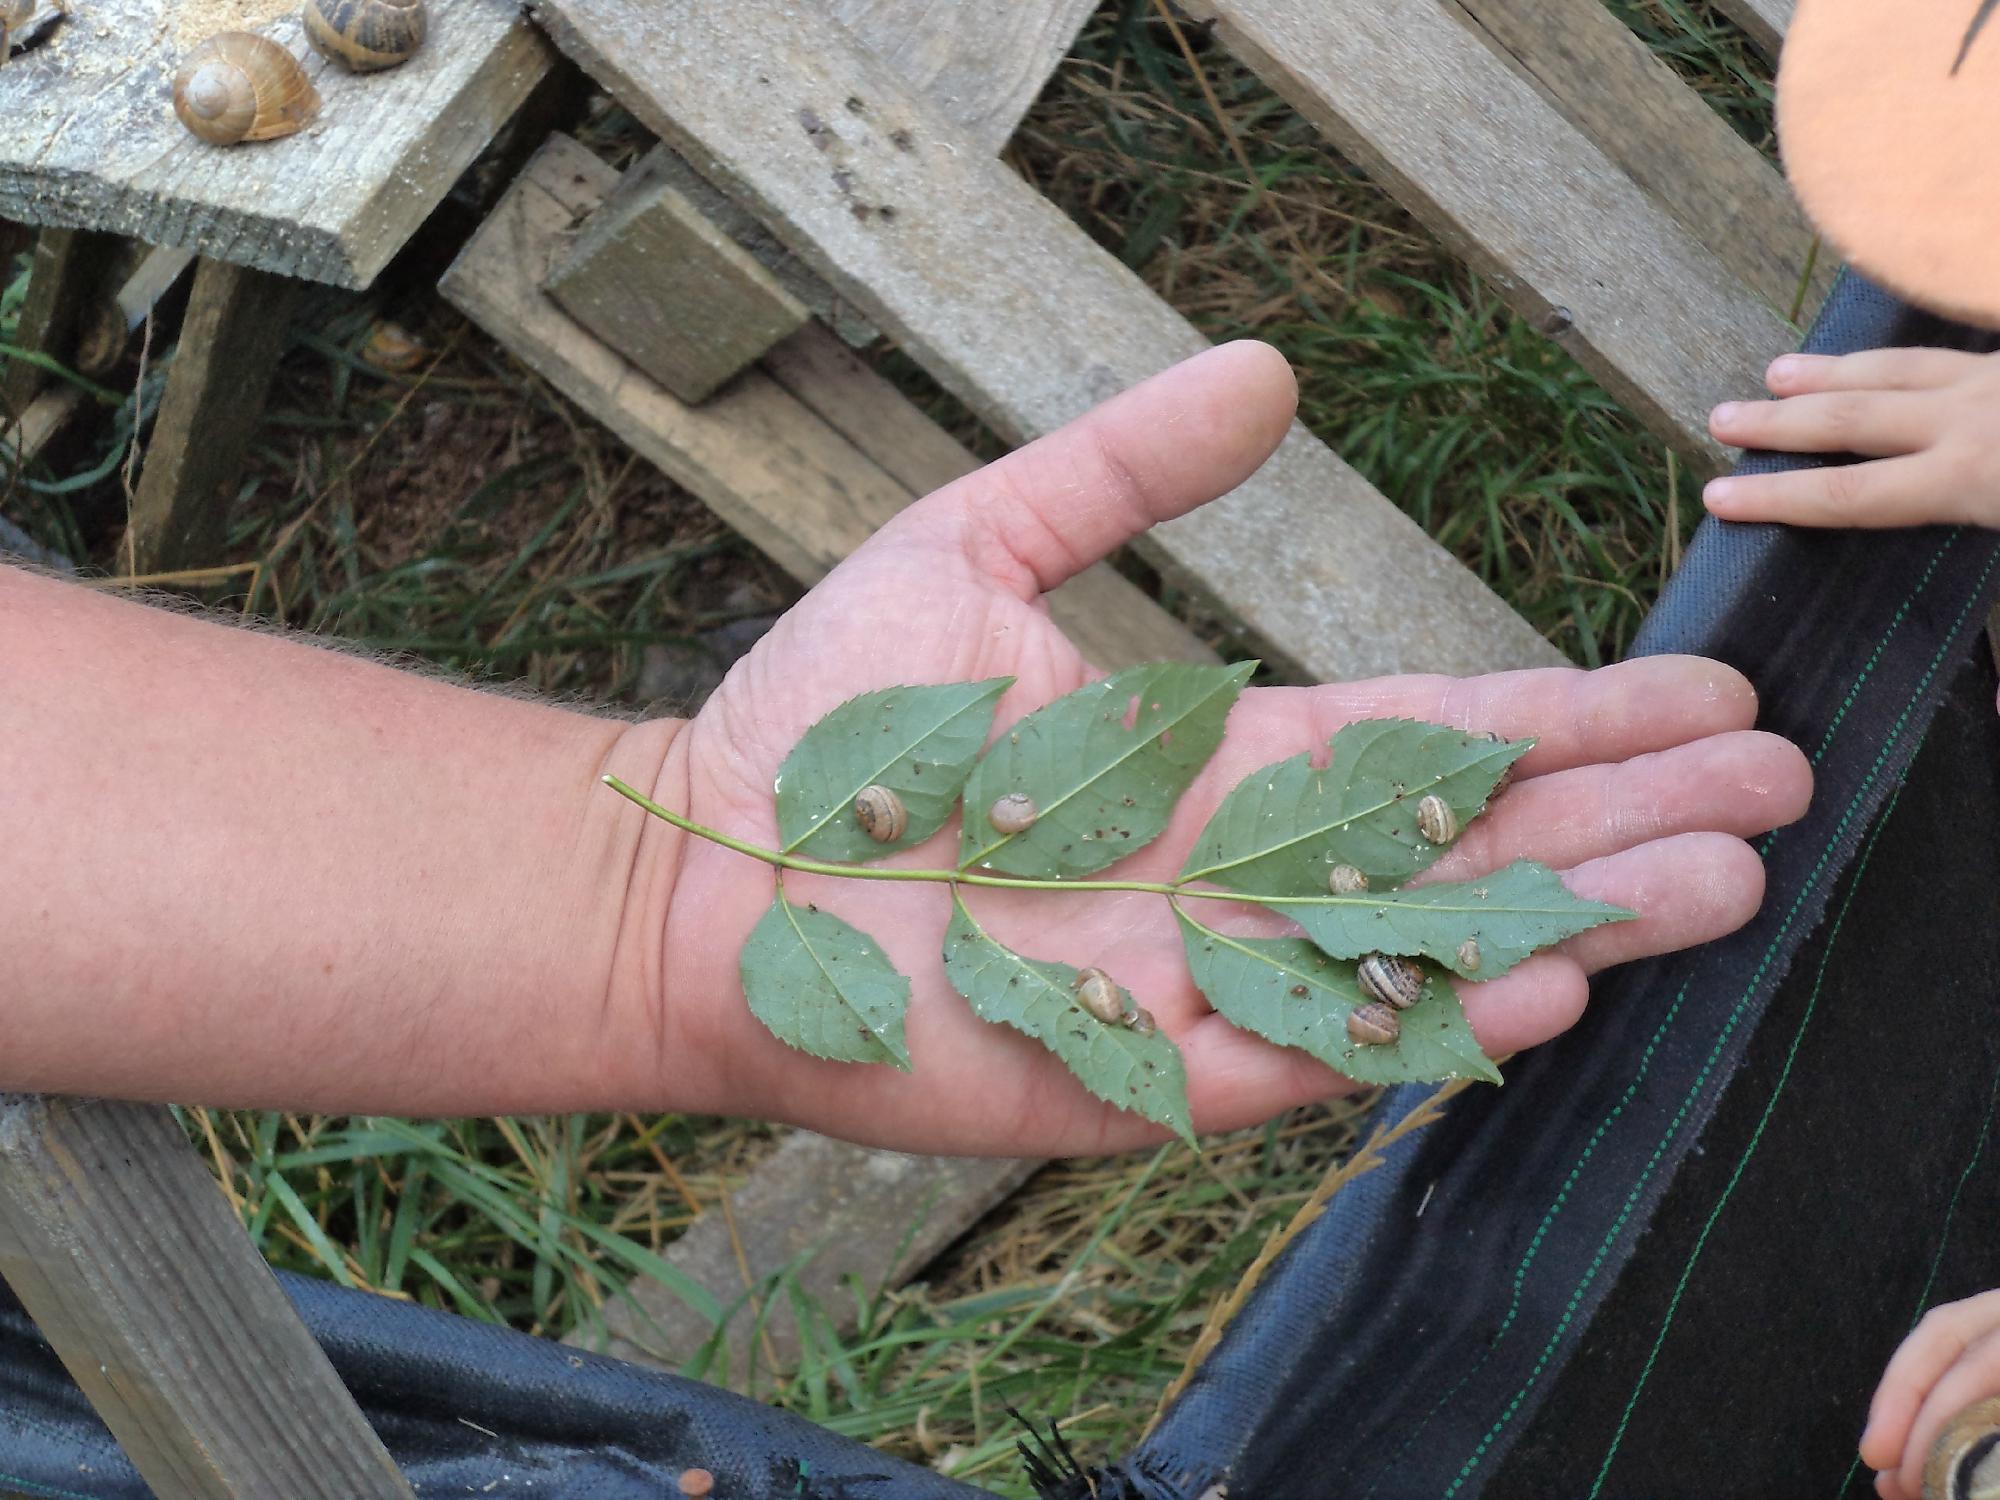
(1394, 981)
(392, 348)
(1014, 813)
(881, 814)
(366, 36)
(237, 86)
(1468, 955)
(1964, 1461)
(1141, 1022)
(1373, 1025)
(1506, 776)
(1097, 992)
(1435, 820)
(1345, 880)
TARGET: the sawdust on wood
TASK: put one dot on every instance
(197, 20)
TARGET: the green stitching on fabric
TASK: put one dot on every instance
(1882, 642)
(1750, 1147)
(28, 1486)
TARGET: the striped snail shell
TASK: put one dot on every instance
(1013, 813)
(881, 814)
(1468, 955)
(1394, 981)
(366, 36)
(1373, 1025)
(1345, 880)
(1097, 992)
(1435, 820)
(1141, 1022)
(238, 86)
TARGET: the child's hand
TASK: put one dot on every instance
(1950, 1360)
(1928, 421)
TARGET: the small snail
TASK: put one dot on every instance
(1345, 880)
(1013, 813)
(366, 36)
(1506, 776)
(1435, 820)
(392, 348)
(1141, 1021)
(881, 814)
(1373, 1025)
(1097, 992)
(1394, 981)
(237, 86)
(1468, 955)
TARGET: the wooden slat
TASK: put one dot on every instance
(1421, 103)
(757, 454)
(1013, 308)
(87, 138)
(133, 1266)
(64, 280)
(229, 347)
(1714, 184)
(22, 441)
(1765, 21)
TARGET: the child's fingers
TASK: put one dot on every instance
(1933, 1346)
(1974, 1376)
(1874, 423)
(1907, 491)
(1870, 370)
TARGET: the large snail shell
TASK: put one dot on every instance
(366, 35)
(881, 814)
(240, 87)
(1097, 992)
(1391, 980)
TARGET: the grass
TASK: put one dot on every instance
(462, 513)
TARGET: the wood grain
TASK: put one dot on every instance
(1764, 21)
(134, 1267)
(1016, 311)
(1712, 182)
(65, 279)
(759, 456)
(1421, 103)
(87, 138)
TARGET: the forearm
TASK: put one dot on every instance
(243, 870)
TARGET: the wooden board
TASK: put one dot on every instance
(134, 1267)
(1764, 21)
(88, 138)
(757, 454)
(1421, 103)
(65, 279)
(1014, 309)
(1712, 182)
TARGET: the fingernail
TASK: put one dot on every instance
(1717, 491)
(1724, 414)
(1785, 366)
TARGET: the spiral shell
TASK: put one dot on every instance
(1014, 813)
(881, 814)
(237, 86)
(1141, 1022)
(1097, 992)
(366, 36)
(1345, 880)
(1435, 820)
(1394, 981)
(1468, 955)
(1373, 1025)
(1964, 1461)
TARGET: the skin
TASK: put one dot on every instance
(1950, 1360)
(245, 871)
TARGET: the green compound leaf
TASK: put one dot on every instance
(1508, 914)
(1288, 992)
(1101, 789)
(1282, 830)
(1117, 1064)
(824, 987)
(919, 742)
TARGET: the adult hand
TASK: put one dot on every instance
(1643, 785)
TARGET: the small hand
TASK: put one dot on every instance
(1643, 785)
(1950, 1360)
(1925, 421)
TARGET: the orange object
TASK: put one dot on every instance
(1887, 115)
(696, 1482)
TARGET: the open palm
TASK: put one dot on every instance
(1645, 781)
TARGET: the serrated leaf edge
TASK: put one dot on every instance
(899, 1051)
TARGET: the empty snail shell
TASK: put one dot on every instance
(237, 86)
(1468, 955)
(366, 35)
(1373, 1025)
(1393, 981)
(1435, 820)
(1013, 813)
(1097, 992)
(1345, 880)
(1141, 1022)
(1506, 778)
(881, 814)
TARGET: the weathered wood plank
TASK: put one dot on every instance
(87, 139)
(1013, 308)
(229, 347)
(651, 277)
(1422, 104)
(878, 1216)
(1715, 185)
(1764, 21)
(983, 64)
(65, 279)
(130, 1261)
(42, 419)
(756, 454)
